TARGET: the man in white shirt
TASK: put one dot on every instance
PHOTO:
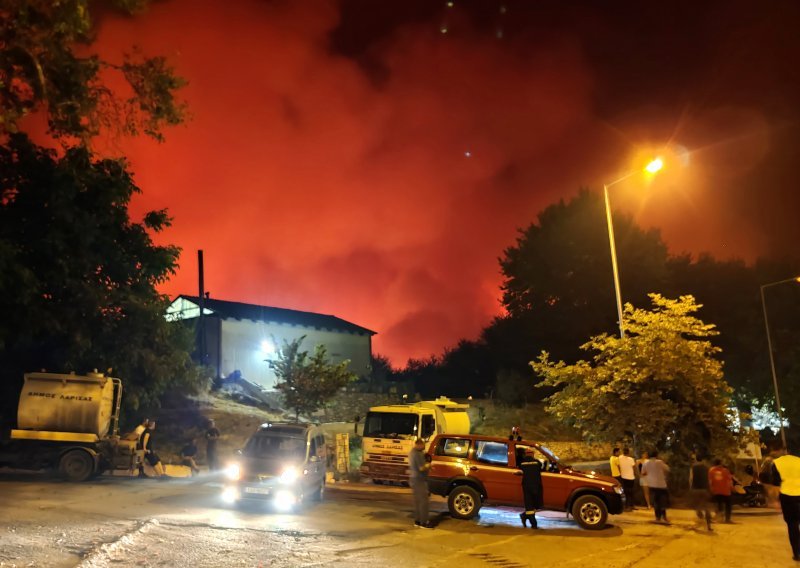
(655, 470)
(627, 471)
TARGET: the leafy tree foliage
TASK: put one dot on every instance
(662, 386)
(308, 382)
(78, 278)
(46, 65)
(558, 285)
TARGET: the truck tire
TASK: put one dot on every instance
(464, 502)
(76, 465)
(590, 511)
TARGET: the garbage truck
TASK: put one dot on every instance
(70, 423)
(390, 430)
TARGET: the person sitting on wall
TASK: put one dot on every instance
(188, 454)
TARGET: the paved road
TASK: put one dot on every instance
(129, 522)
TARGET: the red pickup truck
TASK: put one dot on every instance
(471, 470)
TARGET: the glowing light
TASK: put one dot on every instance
(230, 494)
(654, 166)
(233, 471)
(267, 347)
(284, 500)
(443, 29)
(468, 154)
(289, 475)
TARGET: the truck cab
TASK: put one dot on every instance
(390, 431)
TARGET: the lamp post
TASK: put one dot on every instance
(653, 167)
(772, 357)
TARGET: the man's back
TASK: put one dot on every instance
(627, 467)
(655, 471)
(788, 469)
(720, 480)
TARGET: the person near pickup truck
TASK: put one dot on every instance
(531, 486)
(655, 471)
(419, 467)
(627, 471)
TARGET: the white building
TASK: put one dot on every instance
(243, 337)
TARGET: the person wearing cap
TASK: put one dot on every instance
(532, 490)
(418, 467)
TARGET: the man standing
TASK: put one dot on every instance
(786, 475)
(145, 445)
(418, 479)
(720, 482)
(627, 471)
(531, 486)
(614, 463)
(698, 490)
(655, 471)
(212, 435)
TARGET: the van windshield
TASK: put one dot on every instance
(276, 447)
(390, 425)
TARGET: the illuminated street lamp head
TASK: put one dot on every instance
(654, 166)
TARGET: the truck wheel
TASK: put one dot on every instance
(76, 465)
(464, 502)
(590, 511)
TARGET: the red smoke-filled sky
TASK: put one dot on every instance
(345, 159)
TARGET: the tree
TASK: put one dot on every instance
(78, 278)
(662, 386)
(80, 93)
(558, 285)
(308, 382)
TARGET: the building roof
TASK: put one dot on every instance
(242, 311)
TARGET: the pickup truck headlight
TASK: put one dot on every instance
(233, 471)
(289, 475)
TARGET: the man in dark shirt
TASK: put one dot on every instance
(212, 435)
(531, 486)
(188, 454)
(418, 468)
(698, 490)
(145, 444)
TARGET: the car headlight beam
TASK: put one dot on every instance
(289, 475)
(233, 471)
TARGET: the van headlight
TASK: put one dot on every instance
(289, 475)
(233, 471)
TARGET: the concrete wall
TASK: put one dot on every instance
(246, 344)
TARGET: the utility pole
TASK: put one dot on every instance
(201, 330)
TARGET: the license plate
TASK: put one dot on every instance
(257, 490)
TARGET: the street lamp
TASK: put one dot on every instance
(653, 167)
(771, 356)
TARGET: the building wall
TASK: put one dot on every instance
(245, 345)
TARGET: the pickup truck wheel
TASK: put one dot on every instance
(590, 511)
(76, 465)
(464, 502)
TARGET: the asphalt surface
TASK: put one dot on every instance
(132, 522)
